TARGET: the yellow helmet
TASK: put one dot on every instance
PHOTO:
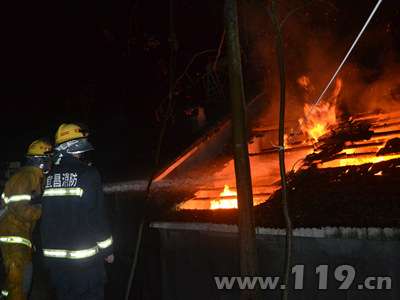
(71, 139)
(40, 155)
(39, 148)
(67, 132)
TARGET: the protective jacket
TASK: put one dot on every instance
(75, 229)
(16, 229)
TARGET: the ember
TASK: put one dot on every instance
(357, 141)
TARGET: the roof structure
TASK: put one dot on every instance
(349, 178)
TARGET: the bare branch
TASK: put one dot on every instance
(304, 5)
(326, 1)
(266, 7)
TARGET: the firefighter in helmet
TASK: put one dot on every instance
(20, 209)
(75, 230)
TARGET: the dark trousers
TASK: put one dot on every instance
(77, 285)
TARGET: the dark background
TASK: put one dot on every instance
(108, 63)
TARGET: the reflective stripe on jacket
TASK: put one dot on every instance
(15, 240)
(78, 254)
(15, 198)
(21, 218)
(76, 232)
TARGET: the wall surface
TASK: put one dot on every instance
(192, 258)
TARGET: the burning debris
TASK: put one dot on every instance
(349, 196)
(324, 115)
(367, 138)
(226, 199)
(357, 141)
(333, 152)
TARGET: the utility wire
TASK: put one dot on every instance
(344, 60)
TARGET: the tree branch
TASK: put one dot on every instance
(185, 73)
(304, 5)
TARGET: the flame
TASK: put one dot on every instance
(305, 83)
(225, 203)
(318, 122)
(323, 115)
(358, 161)
(231, 202)
(286, 141)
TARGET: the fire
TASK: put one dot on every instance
(225, 203)
(232, 201)
(286, 141)
(319, 121)
(323, 115)
(204, 200)
(358, 161)
(305, 83)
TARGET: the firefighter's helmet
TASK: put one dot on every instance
(71, 139)
(40, 148)
(40, 155)
(67, 132)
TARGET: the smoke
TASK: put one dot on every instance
(383, 94)
(315, 42)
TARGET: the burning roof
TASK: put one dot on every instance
(349, 196)
(343, 169)
(345, 176)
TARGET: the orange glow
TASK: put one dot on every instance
(358, 161)
(228, 203)
(285, 141)
(361, 150)
(323, 115)
(320, 119)
(305, 83)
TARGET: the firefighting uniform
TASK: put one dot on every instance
(16, 230)
(75, 229)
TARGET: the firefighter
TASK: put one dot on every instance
(75, 229)
(20, 209)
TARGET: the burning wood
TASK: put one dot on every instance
(351, 142)
(346, 144)
(226, 199)
(329, 139)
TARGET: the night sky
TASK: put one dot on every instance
(107, 63)
(60, 57)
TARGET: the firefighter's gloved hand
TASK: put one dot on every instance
(36, 198)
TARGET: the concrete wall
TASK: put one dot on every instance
(192, 258)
